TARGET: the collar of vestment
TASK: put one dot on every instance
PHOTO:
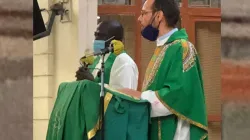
(175, 35)
(163, 39)
(106, 56)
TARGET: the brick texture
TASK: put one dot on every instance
(235, 81)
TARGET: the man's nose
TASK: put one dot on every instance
(139, 18)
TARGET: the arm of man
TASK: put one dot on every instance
(172, 86)
(171, 89)
(124, 73)
(158, 109)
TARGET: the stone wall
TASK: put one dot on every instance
(235, 69)
(16, 66)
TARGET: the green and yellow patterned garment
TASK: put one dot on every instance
(174, 74)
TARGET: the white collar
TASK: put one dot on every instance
(161, 42)
(163, 39)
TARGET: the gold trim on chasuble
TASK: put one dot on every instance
(159, 129)
(179, 115)
(154, 64)
(93, 131)
(204, 137)
(189, 55)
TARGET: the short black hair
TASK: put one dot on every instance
(112, 28)
(170, 9)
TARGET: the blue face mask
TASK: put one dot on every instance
(150, 33)
(98, 45)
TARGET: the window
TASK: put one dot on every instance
(198, 3)
(116, 2)
(179, 1)
(204, 3)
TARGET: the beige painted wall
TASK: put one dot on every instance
(42, 75)
(56, 57)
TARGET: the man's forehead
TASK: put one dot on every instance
(100, 33)
(148, 5)
(101, 29)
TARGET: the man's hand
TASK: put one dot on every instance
(118, 46)
(83, 73)
(131, 92)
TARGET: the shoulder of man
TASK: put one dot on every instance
(183, 44)
(188, 49)
(124, 58)
(189, 54)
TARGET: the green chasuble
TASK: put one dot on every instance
(174, 73)
(69, 119)
(75, 115)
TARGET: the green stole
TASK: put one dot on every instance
(174, 73)
(75, 115)
(108, 65)
(126, 117)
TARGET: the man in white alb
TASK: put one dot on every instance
(120, 69)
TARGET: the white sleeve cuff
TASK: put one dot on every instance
(157, 108)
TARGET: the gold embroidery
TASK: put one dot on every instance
(189, 55)
(107, 99)
(93, 131)
(154, 65)
(181, 116)
(204, 137)
(159, 129)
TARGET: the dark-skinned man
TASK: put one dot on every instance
(120, 70)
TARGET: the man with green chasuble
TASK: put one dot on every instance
(173, 81)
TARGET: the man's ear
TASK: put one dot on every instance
(160, 16)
